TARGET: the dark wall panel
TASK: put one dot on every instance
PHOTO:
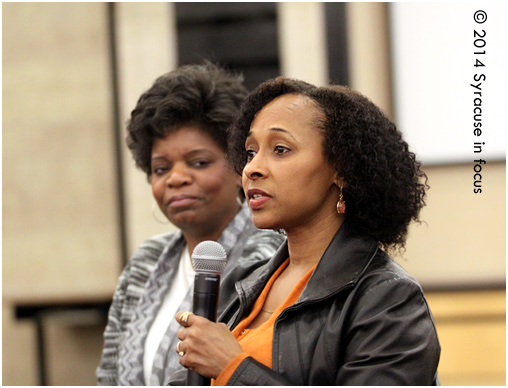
(239, 36)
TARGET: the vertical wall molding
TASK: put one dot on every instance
(369, 52)
(302, 41)
(146, 49)
(117, 136)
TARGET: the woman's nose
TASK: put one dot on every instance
(254, 169)
(178, 176)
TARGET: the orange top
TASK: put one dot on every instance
(257, 343)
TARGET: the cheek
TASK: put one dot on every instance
(213, 186)
(305, 184)
(217, 183)
(245, 182)
(156, 190)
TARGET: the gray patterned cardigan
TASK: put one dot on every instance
(140, 291)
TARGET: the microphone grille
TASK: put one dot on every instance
(209, 256)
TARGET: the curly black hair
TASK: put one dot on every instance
(385, 187)
(203, 95)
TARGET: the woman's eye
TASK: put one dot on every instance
(200, 163)
(159, 170)
(279, 150)
(250, 155)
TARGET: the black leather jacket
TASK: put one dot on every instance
(361, 320)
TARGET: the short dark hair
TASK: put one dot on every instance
(384, 191)
(204, 95)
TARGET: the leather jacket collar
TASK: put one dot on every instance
(342, 264)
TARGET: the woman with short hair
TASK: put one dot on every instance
(177, 135)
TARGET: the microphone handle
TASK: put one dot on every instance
(204, 303)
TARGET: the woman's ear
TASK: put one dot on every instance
(339, 181)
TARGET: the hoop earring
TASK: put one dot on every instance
(341, 205)
(154, 216)
(239, 201)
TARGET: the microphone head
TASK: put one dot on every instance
(209, 256)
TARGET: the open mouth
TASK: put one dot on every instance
(257, 198)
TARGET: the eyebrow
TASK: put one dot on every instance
(188, 154)
(276, 129)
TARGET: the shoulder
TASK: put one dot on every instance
(154, 245)
(384, 271)
(149, 250)
(387, 288)
(261, 245)
(386, 315)
(144, 258)
(267, 236)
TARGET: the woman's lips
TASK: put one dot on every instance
(181, 201)
(257, 198)
(257, 203)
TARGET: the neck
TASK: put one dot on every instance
(192, 241)
(202, 233)
(308, 243)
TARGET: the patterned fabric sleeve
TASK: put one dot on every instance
(261, 245)
(127, 293)
(106, 372)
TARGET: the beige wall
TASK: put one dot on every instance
(59, 229)
(472, 333)
(463, 242)
(59, 212)
(368, 46)
(301, 49)
(60, 233)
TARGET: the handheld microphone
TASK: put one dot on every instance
(209, 260)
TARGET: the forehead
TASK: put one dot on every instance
(293, 103)
(288, 107)
(185, 139)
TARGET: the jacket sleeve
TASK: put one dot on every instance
(391, 338)
(129, 289)
(106, 372)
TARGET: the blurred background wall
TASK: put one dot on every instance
(74, 207)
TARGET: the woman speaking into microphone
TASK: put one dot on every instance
(331, 307)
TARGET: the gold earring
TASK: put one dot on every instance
(341, 204)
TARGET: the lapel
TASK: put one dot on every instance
(344, 261)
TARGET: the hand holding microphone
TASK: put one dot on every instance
(205, 346)
(209, 260)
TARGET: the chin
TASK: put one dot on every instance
(184, 219)
(265, 223)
